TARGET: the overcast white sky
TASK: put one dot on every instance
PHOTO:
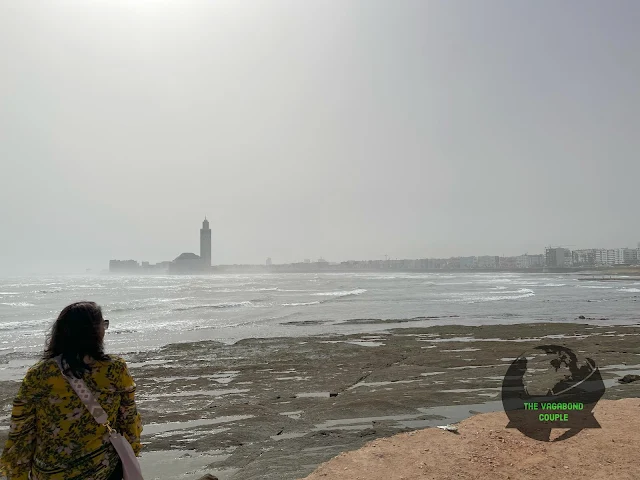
(344, 129)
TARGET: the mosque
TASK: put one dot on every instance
(190, 262)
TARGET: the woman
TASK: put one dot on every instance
(53, 436)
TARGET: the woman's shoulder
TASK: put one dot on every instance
(113, 364)
(49, 365)
(43, 367)
(113, 369)
(115, 360)
(41, 373)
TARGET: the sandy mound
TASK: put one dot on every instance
(485, 449)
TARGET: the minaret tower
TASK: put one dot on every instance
(205, 243)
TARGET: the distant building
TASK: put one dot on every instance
(188, 263)
(205, 243)
(451, 263)
(185, 263)
(616, 256)
(558, 257)
(508, 262)
(625, 256)
(307, 260)
(608, 256)
(436, 263)
(584, 258)
(468, 262)
(488, 261)
(530, 261)
(601, 256)
(268, 262)
(132, 266)
(163, 266)
(123, 266)
(536, 261)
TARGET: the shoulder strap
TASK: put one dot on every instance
(81, 389)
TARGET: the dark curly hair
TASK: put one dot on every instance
(76, 334)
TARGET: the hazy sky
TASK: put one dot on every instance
(345, 129)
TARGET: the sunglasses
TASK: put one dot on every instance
(105, 322)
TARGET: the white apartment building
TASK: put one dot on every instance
(488, 261)
(584, 257)
(530, 261)
(625, 256)
(617, 256)
(601, 257)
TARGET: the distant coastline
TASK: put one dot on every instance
(597, 273)
(556, 259)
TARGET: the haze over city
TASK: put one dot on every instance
(343, 130)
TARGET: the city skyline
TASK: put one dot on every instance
(192, 262)
(557, 257)
(207, 252)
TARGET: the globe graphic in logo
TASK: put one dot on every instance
(551, 387)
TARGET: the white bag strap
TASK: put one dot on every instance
(81, 389)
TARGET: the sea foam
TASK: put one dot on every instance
(345, 293)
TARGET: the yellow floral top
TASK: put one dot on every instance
(54, 437)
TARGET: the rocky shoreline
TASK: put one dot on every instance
(277, 408)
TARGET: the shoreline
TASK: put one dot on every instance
(13, 363)
(240, 410)
(314, 268)
(148, 313)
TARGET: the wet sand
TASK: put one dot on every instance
(277, 408)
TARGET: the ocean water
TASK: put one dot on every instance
(147, 312)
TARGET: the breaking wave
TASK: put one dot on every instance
(630, 290)
(494, 280)
(124, 330)
(29, 324)
(594, 286)
(130, 309)
(301, 304)
(265, 289)
(358, 291)
(17, 304)
(136, 305)
(216, 305)
(505, 295)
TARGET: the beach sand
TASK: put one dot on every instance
(484, 448)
